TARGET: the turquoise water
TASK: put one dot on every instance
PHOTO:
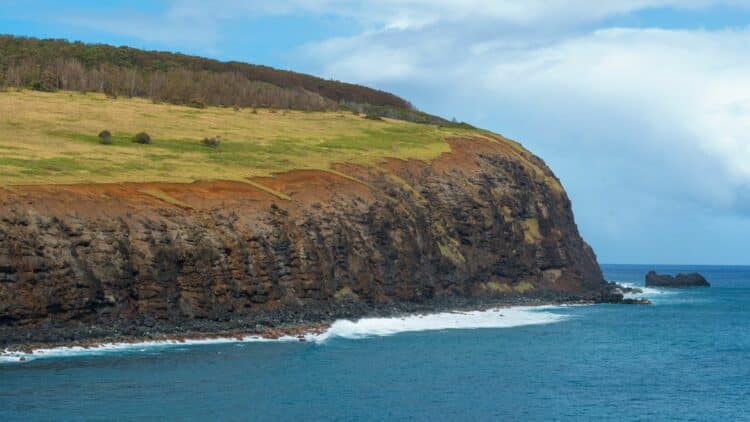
(687, 357)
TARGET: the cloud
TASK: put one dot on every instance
(678, 98)
(405, 14)
(648, 128)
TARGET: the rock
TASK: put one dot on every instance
(680, 281)
(636, 301)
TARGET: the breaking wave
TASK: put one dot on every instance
(363, 328)
(493, 318)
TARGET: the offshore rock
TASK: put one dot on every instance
(680, 281)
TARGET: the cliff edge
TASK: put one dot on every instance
(487, 222)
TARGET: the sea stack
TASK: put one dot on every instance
(681, 281)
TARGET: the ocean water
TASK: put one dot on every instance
(687, 357)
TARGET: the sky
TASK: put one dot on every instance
(641, 107)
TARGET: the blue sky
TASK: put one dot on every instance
(641, 107)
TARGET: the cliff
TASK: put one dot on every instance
(487, 222)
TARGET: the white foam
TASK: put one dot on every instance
(493, 318)
(363, 328)
(7, 356)
(647, 291)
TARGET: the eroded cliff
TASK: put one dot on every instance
(488, 222)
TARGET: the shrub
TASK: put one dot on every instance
(142, 138)
(105, 137)
(195, 103)
(212, 142)
(373, 117)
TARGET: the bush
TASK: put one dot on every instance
(195, 103)
(373, 117)
(142, 138)
(213, 142)
(105, 137)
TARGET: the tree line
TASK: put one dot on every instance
(50, 65)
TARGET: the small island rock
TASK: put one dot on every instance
(679, 281)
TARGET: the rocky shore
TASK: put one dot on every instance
(267, 325)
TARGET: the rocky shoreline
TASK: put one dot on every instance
(267, 325)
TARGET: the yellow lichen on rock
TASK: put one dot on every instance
(531, 232)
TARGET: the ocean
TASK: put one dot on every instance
(686, 357)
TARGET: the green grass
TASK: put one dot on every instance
(51, 138)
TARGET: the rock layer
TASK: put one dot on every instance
(487, 222)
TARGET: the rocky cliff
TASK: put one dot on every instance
(486, 223)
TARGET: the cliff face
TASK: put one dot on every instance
(486, 222)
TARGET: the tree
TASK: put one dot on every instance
(48, 81)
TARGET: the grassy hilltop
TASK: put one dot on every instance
(52, 138)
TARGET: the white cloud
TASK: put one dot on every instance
(405, 14)
(649, 129)
(679, 96)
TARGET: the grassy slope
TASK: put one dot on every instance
(51, 138)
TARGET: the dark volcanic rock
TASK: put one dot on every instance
(487, 223)
(636, 301)
(680, 281)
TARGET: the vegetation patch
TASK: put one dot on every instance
(163, 196)
(451, 251)
(266, 189)
(60, 142)
(347, 177)
(142, 138)
(531, 232)
(344, 293)
(105, 137)
(523, 287)
(498, 287)
(212, 142)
